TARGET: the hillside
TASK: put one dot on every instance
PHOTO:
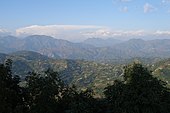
(98, 42)
(162, 70)
(80, 72)
(57, 48)
(47, 46)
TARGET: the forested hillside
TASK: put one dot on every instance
(138, 92)
(82, 73)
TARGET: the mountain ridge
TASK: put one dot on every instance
(58, 48)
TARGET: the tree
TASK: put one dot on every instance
(11, 100)
(140, 92)
(78, 101)
(44, 92)
(47, 93)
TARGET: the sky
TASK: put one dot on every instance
(84, 17)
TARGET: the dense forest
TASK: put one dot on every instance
(138, 92)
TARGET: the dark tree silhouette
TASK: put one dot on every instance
(47, 93)
(140, 92)
(44, 92)
(11, 99)
(78, 101)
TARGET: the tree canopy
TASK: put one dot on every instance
(10, 92)
(139, 92)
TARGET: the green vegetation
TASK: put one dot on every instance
(10, 92)
(43, 93)
(137, 92)
(162, 69)
(83, 74)
(78, 72)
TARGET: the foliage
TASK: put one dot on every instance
(83, 73)
(79, 72)
(140, 92)
(10, 92)
(48, 94)
(78, 101)
(44, 92)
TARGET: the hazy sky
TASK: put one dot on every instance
(148, 15)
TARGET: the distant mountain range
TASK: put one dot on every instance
(98, 42)
(90, 49)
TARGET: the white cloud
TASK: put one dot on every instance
(68, 32)
(4, 32)
(128, 34)
(82, 32)
(148, 8)
(106, 33)
(162, 32)
(52, 28)
(76, 32)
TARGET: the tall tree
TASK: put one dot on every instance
(11, 100)
(44, 92)
(47, 93)
(140, 92)
(78, 101)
